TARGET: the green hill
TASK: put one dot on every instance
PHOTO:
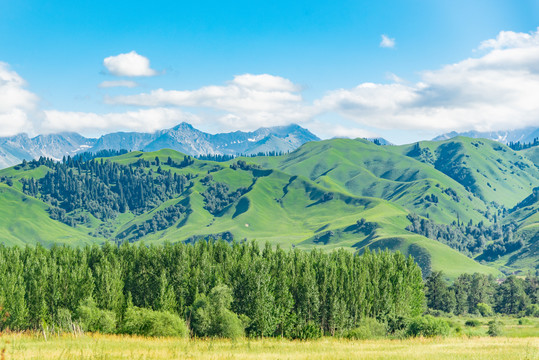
(362, 168)
(470, 194)
(531, 154)
(526, 215)
(233, 200)
(490, 170)
(24, 220)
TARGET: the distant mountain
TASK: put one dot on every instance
(525, 135)
(183, 137)
(16, 148)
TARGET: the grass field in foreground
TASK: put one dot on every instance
(104, 347)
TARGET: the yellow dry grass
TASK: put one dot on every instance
(104, 347)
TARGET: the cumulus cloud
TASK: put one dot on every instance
(145, 120)
(118, 83)
(494, 90)
(387, 42)
(17, 104)
(497, 90)
(510, 39)
(130, 64)
(248, 101)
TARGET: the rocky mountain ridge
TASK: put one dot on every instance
(183, 137)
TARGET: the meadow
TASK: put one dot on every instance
(104, 347)
(520, 340)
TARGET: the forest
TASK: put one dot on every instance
(103, 188)
(491, 241)
(215, 288)
(483, 295)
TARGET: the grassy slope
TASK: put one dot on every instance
(527, 218)
(496, 174)
(285, 210)
(361, 168)
(281, 209)
(531, 154)
(24, 220)
(491, 170)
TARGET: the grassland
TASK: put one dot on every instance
(520, 340)
(490, 170)
(361, 168)
(25, 221)
(111, 347)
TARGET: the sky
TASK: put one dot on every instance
(402, 70)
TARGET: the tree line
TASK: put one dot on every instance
(483, 295)
(213, 287)
(517, 145)
(491, 241)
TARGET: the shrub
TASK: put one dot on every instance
(368, 329)
(139, 321)
(211, 315)
(201, 321)
(494, 328)
(228, 325)
(532, 310)
(63, 320)
(307, 331)
(398, 324)
(93, 319)
(524, 321)
(484, 309)
(428, 326)
(473, 323)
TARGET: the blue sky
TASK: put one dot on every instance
(225, 66)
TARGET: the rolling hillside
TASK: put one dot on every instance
(490, 170)
(257, 203)
(361, 168)
(446, 203)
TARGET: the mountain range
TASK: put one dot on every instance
(188, 140)
(183, 137)
(526, 135)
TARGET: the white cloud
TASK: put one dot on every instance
(264, 82)
(387, 42)
(510, 39)
(331, 130)
(247, 102)
(495, 91)
(129, 64)
(394, 78)
(17, 105)
(146, 120)
(118, 83)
